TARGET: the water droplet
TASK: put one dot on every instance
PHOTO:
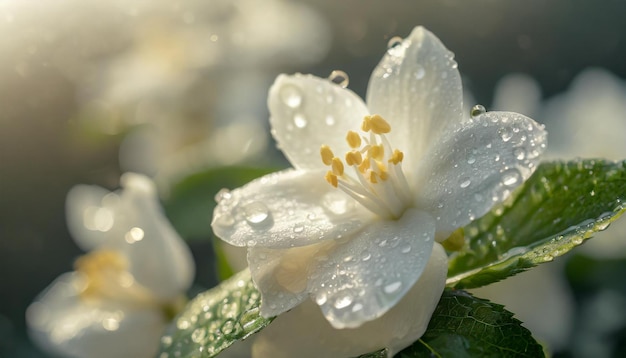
(465, 183)
(357, 307)
(365, 256)
(505, 134)
(340, 78)
(330, 120)
(291, 96)
(198, 335)
(343, 302)
(392, 287)
(511, 177)
(321, 299)
(394, 41)
(298, 228)
(166, 341)
(406, 249)
(471, 160)
(519, 153)
(300, 120)
(256, 213)
(419, 73)
(477, 110)
(223, 194)
(228, 327)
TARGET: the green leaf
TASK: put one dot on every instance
(190, 203)
(556, 209)
(466, 326)
(216, 319)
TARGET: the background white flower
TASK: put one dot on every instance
(117, 302)
(418, 175)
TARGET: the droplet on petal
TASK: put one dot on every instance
(419, 73)
(392, 287)
(519, 153)
(256, 213)
(477, 111)
(465, 183)
(394, 41)
(340, 78)
(300, 120)
(291, 96)
(511, 177)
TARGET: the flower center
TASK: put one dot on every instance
(378, 182)
(106, 276)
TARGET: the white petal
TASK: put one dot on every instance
(304, 332)
(131, 222)
(90, 212)
(477, 166)
(282, 275)
(62, 323)
(417, 88)
(364, 277)
(286, 209)
(160, 259)
(306, 112)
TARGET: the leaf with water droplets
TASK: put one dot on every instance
(556, 209)
(189, 205)
(216, 319)
(467, 326)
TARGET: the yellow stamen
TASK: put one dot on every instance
(372, 177)
(354, 139)
(327, 154)
(382, 171)
(354, 158)
(337, 166)
(364, 166)
(331, 179)
(396, 157)
(376, 152)
(365, 126)
(98, 267)
(377, 124)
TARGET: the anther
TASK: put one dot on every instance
(396, 157)
(382, 171)
(376, 152)
(354, 158)
(364, 166)
(377, 124)
(327, 154)
(337, 166)
(331, 178)
(354, 139)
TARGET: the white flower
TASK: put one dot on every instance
(355, 229)
(117, 302)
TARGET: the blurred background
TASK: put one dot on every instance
(90, 89)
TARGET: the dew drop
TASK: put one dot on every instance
(340, 78)
(406, 249)
(298, 228)
(228, 327)
(300, 120)
(477, 111)
(357, 307)
(519, 153)
(198, 335)
(419, 73)
(365, 256)
(511, 177)
(392, 287)
(343, 302)
(471, 160)
(321, 299)
(291, 96)
(223, 194)
(394, 41)
(505, 134)
(256, 213)
(330, 120)
(465, 183)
